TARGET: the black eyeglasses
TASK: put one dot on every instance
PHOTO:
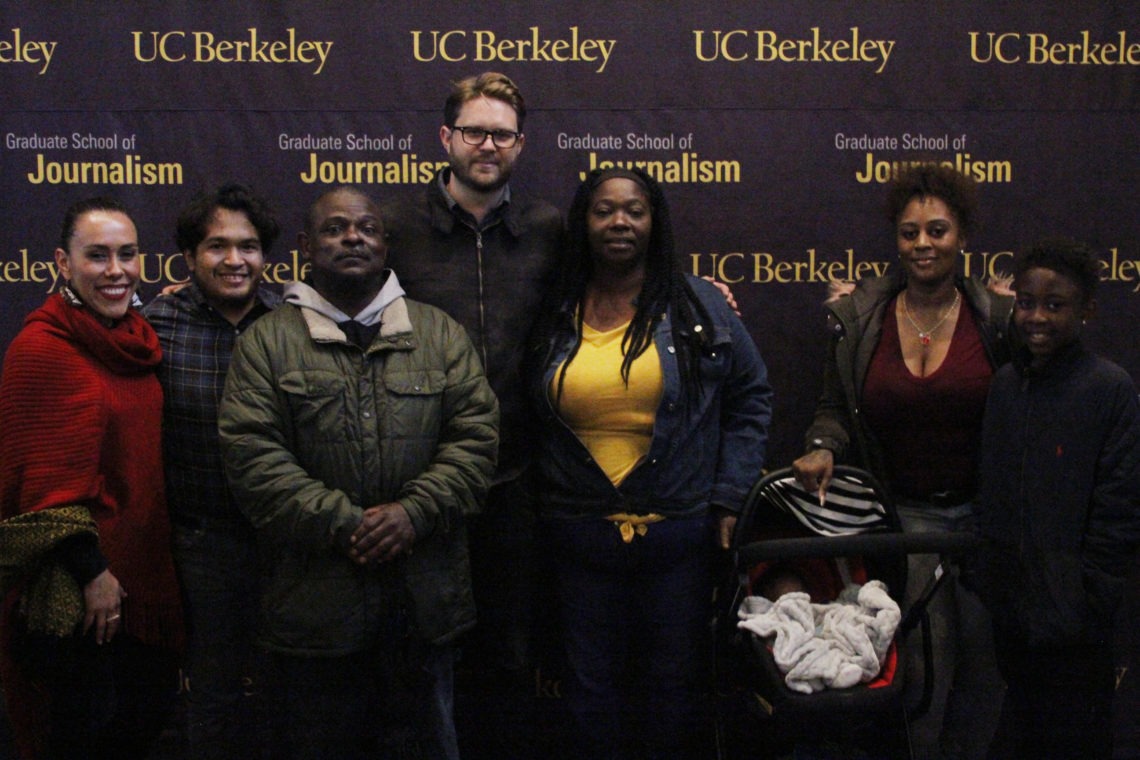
(502, 138)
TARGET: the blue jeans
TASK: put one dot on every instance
(635, 624)
(217, 567)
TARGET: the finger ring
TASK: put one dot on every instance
(112, 617)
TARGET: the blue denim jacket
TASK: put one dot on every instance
(706, 452)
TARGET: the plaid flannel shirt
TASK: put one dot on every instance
(197, 343)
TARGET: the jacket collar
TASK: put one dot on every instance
(870, 292)
(445, 212)
(304, 295)
(396, 323)
(321, 317)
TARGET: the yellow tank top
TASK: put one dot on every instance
(613, 421)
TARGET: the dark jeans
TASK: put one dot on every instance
(381, 703)
(503, 567)
(635, 625)
(109, 701)
(217, 566)
(498, 716)
(1058, 703)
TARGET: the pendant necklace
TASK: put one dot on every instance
(924, 336)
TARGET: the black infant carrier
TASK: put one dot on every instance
(811, 629)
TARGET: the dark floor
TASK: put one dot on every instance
(540, 701)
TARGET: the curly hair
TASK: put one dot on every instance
(934, 180)
(193, 221)
(1067, 257)
(665, 286)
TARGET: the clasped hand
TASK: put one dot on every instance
(384, 533)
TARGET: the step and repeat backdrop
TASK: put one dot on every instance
(773, 125)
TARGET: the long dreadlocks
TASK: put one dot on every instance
(665, 286)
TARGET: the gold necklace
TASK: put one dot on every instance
(924, 336)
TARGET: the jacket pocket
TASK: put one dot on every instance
(317, 404)
(415, 403)
(716, 358)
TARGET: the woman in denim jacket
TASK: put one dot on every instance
(653, 404)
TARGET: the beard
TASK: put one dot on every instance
(461, 171)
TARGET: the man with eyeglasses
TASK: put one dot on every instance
(474, 246)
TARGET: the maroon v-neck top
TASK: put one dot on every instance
(928, 427)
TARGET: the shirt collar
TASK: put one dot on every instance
(498, 209)
(265, 300)
(1057, 364)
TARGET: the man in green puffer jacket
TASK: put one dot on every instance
(359, 432)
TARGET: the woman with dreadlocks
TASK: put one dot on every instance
(654, 407)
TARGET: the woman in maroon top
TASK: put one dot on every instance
(909, 363)
(80, 462)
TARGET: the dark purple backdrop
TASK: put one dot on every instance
(785, 100)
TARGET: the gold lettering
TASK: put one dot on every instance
(208, 49)
(726, 42)
(25, 270)
(488, 48)
(763, 268)
(168, 268)
(1116, 269)
(995, 48)
(721, 273)
(438, 46)
(817, 47)
(982, 171)
(690, 169)
(405, 171)
(279, 273)
(26, 51)
(158, 47)
(1041, 50)
(130, 171)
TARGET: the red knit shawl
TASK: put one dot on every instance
(81, 424)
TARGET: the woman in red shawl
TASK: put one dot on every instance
(90, 633)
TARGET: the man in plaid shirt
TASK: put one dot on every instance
(224, 237)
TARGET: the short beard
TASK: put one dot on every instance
(464, 179)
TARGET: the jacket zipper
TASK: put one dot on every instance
(482, 315)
